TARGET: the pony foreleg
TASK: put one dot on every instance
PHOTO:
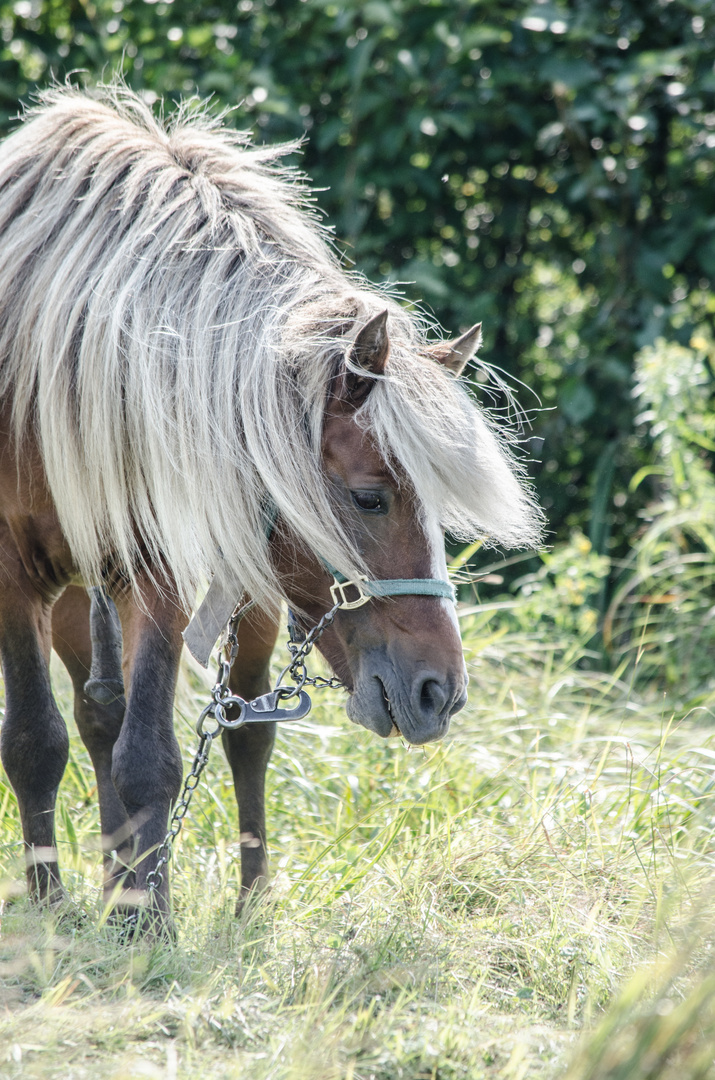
(98, 723)
(146, 761)
(34, 744)
(249, 749)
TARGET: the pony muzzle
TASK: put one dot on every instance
(418, 709)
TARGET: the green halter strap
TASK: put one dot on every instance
(220, 601)
(367, 588)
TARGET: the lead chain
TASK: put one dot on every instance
(297, 672)
(220, 691)
(155, 877)
(299, 651)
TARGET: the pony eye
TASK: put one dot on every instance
(369, 501)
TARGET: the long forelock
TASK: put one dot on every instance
(461, 464)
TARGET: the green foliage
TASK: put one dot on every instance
(658, 622)
(662, 610)
(561, 597)
(675, 384)
(545, 167)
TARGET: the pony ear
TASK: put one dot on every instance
(371, 347)
(369, 352)
(455, 355)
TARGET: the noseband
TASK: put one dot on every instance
(367, 588)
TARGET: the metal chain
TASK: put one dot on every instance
(215, 710)
(325, 684)
(155, 877)
(300, 644)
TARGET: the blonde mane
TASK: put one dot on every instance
(171, 318)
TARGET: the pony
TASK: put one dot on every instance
(193, 387)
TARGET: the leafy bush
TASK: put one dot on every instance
(561, 595)
(662, 612)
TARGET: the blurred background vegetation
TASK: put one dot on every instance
(544, 167)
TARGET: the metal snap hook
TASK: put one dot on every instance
(266, 707)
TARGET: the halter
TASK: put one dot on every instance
(368, 588)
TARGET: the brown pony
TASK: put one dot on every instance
(191, 386)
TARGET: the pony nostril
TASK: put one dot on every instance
(433, 697)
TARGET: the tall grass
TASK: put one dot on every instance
(460, 911)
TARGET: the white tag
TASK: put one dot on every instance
(209, 620)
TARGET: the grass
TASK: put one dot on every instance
(529, 898)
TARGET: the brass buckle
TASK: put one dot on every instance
(337, 591)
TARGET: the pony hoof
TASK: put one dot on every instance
(62, 909)
(53, 899)
(69, 916)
